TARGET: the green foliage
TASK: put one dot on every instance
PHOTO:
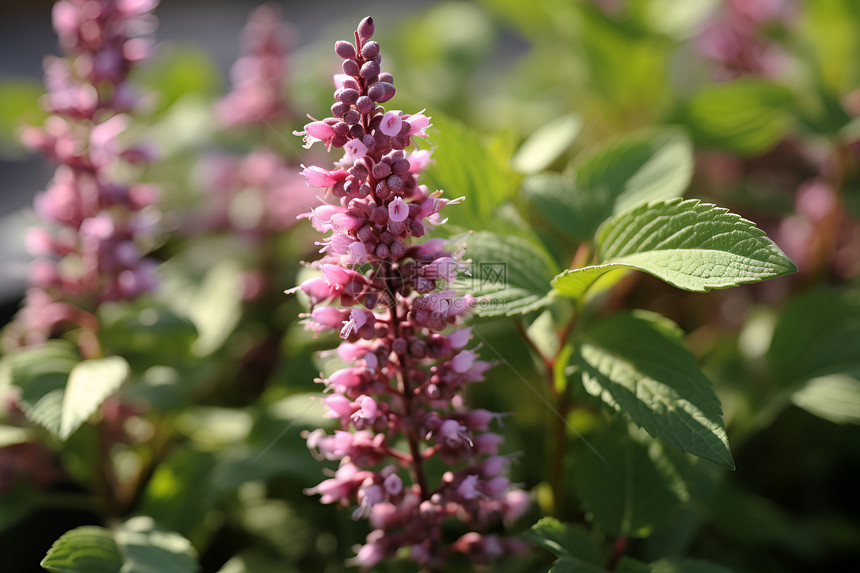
(577, 549)
(746, 116)
(90, 382)
(637, 364)
(631, 489)
(463, 166)
(509, 275)
(180, 71)
(690, 245)
(650, 165)
(41, 374)
(19, 105)
(546, 144)
(139, 546)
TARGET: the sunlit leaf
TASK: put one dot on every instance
(547, 144)
(690, 245)
(637, 364)
(90, 383)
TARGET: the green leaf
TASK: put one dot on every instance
(637, 364)
(90, 383)
(572, 542)
(747, 116)
(835, 397)
(690, 245)
(508, 275)
(214, 306)
(818, 333)
(463, 166)
(41, 374)
(85, 549)
(649, 165)
(139, 546)
(547, 144)
(629, 492)
(147, 548)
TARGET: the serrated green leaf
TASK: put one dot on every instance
(628, 493)
(85, 549)
(462, 166)
(835, 397)
(818, 333)
(649, 165)
(90, 383)
(637, 364)
(747, 116)
(508, 275)
(690, 245)
(147, 548)
(567, 540)
(547, 144)
(41, 374)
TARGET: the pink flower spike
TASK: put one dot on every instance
(391, 123)
(463, 361)
(398, 210)
(339, 406)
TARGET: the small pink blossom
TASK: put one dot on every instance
(398, 210)
(391, 122)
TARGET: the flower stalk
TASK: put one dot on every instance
(390, 299)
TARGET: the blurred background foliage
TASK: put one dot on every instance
(205, 437)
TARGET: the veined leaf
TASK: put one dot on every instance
(637, 364)
(85, 549)
(89, 384)
(690, 245)
(649, 165)
(508, 275)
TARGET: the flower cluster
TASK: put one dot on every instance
(389, 299)
(258, 76)
(92, 247)
(735, 41)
